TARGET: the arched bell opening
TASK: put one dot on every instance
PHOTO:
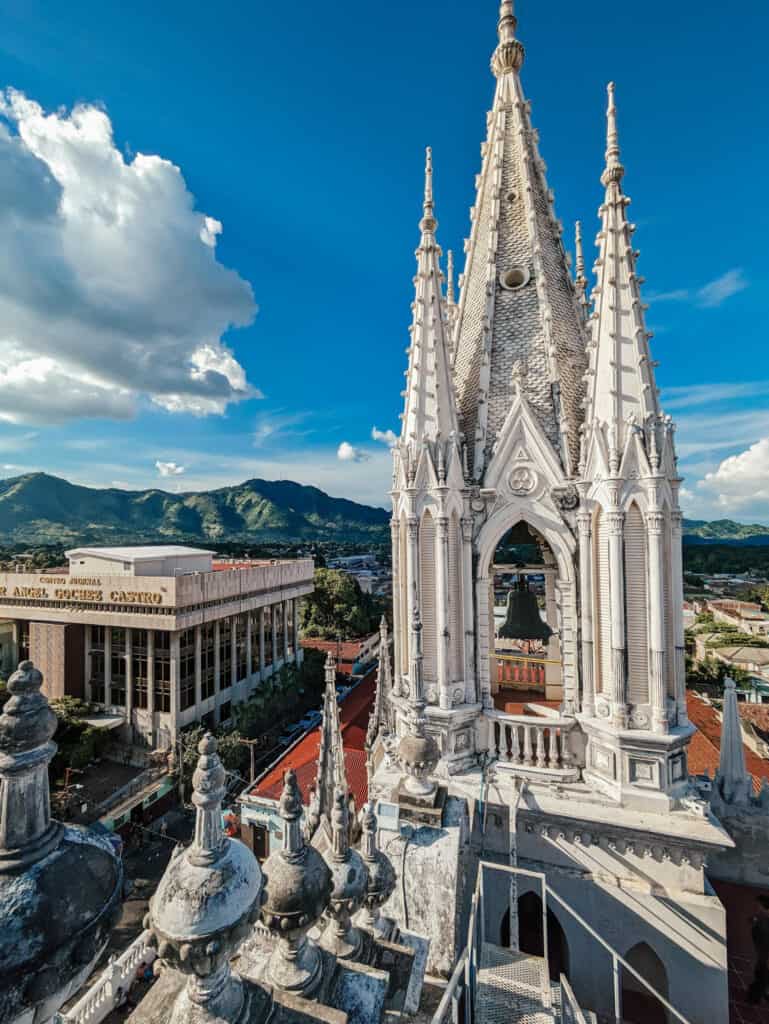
(531, 939)
(525, 652)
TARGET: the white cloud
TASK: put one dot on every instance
(347, 453)
(708, 394)
(110, 290)
(716, 292)
(274, 426)
(740, 484)
(169, 469)
(387, 437)
(710, 295)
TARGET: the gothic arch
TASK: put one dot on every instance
(530, 934)
(557, 534)
(639, 1006)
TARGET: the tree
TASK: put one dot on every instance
(337, 608)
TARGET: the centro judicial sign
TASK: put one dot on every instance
(76, 590)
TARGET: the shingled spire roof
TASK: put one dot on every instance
(621, 384)
(518, 302)
(429, 410)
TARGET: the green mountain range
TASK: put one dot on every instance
(40, 509)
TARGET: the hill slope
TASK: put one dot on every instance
(724, 531)
(38, 508)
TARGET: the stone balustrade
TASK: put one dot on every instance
(529, 745)
(113, 984)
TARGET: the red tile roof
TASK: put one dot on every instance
(705, 747)
(303, 758)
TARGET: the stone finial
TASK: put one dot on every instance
(428, 224)
(297, 890)
(450, 299)
(209, 790)
(205, 904)
(614, 170)
(381, 879)
(27, 726)
(509, 54)
(418, 752)
(349, 877)
(580, 279)
(733, 782)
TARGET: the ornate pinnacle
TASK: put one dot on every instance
(509, 54)
(614, 171)
(580, 263)
(290, 810)
(340, 825)
(208, 781)
(450, 278)
(417, 695)
(428, 222)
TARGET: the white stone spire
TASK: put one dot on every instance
(451, 302)
(732, 780)
(331, 773)
(429, 410)
(518, 302)
(580, 279)
(621, 385)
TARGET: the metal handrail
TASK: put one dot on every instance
(616, 958)
(576, 1016)
(453, 986)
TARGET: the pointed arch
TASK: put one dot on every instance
(427, 604)
(638, 1004)
(601, 603)
(636, 606)
(456, 617)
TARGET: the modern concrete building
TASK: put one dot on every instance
(163, 635)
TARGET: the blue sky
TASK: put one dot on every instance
(269, 157)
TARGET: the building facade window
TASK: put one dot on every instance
(268, 636)
(241, 651)
(226, 712)
(139, 680)
(207, 658)
(162, 671)
(187, 669)
(97, 677)
(23, 641)
(277, 625)
(289, 626)
(118, 668)
(97, 638)
(225, 653)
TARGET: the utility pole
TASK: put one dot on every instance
(251, 744)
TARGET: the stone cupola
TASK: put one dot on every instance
(206, 903)
(349, 877)
(52, 930)
(297, 887)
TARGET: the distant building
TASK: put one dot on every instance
(164, 636)
(354, 657)
(747, 616)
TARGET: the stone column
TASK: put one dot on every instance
(677, 602)
(233, 650)
(442, 612)
(585, 524)
(249, 650)
(616, 520)
(151, 677)
(483, 652)
(554, 674)
(471, 690)
(107, 666)
(395, 534)
(261, 644)
(175, 658)
(655, 523)
(412, 571)
(129, 676)
(198, 669)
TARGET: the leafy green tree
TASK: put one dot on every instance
(337, 607)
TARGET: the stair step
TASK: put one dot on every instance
(512, 988)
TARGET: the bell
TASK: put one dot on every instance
(523, 620)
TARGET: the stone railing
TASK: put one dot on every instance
(530, 745)
(112, 986)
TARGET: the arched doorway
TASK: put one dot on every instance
(638, 1005)
(525, 649)
(530, 937)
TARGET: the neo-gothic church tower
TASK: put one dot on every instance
(525, 410)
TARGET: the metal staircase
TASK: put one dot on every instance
(512, 987)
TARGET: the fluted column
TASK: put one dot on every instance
(484, 654)
(395, 535)
(655, 522)
(468, 619)
(585, 524)
(677, 593)
(616, 520)
(442, 611)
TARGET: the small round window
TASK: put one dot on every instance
(514, 278)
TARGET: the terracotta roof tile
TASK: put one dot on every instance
(303, 758)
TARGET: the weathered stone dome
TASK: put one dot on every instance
(60, 888)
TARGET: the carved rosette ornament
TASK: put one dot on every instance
(206, 903)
